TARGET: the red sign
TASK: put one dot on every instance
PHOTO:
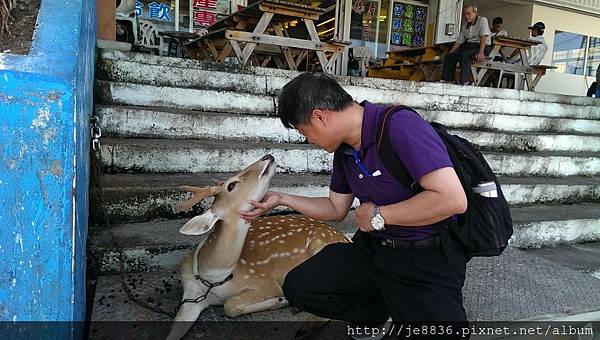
(203, 18)
(205, 4)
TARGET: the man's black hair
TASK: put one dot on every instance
(307, 92)
(497, 20)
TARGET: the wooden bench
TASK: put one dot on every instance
(518, 72)
(239, 35)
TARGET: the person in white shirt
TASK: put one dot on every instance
(497, 30)
(537, 52)
(473, 42)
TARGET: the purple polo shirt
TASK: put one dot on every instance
(417, 145)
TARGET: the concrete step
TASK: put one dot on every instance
(517, 285)
(182, 98)
(158, 245)
(581, 257)
(165, 155)
(551, 225)
(127, 121)
(217, 99)
(143, 197)
(165, 71)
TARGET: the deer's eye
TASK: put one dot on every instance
(231, 186)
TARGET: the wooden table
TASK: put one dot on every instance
(245, 31)
(417, 64)
(480, 70)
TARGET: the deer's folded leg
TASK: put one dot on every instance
(251, 300)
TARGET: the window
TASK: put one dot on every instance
(569, 52)
(593, 57)
(576, 54)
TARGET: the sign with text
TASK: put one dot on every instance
(409, 22)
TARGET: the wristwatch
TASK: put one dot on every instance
(377, 220)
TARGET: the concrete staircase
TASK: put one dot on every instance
(170, 122)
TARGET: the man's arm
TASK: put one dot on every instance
(482, 43)
(455, 47)
(332, 208)
(442, 197)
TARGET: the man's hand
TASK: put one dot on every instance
(480, 56)
(270, 200)
(363, 217)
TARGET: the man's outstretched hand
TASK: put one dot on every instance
(271, 200)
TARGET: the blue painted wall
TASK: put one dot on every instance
(45, 103)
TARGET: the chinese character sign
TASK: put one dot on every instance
(408, 25)
(157, 11)
(212, 4)
(204, 18)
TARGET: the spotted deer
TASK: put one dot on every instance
(241, 264)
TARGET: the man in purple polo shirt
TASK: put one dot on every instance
(396, 265)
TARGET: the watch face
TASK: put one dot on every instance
(377, 222)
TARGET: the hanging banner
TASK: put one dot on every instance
(408, 25)
(205, 13)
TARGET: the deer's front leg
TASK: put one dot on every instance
(251, 300)
(188, 312)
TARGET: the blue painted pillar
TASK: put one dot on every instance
(45, 103)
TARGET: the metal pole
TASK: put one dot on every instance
(177, 15)
(191, 14)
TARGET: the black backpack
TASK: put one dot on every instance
(486, 226)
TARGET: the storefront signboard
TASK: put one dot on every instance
(408, 25)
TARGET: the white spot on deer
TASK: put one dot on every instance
(281, 241)
(263, 275)
(251, 271)
(269, 222)
(242, 261)
(290, 233)
(246, 277)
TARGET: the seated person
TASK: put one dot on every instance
(592, 90)
(473, 41)
(497, 30)
(537, 52)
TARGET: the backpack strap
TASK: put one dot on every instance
(389, 158)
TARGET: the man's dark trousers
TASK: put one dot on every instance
(465, 55)
(365, 282)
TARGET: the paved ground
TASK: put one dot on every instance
(548, 283)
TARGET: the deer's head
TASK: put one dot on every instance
(231, 196)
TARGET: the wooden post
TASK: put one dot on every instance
(106, 20)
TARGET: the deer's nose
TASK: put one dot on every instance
(268, 158)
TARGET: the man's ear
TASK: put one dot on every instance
(200, 224)
(320, 117)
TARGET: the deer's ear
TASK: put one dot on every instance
(198, 194)
(200, 224)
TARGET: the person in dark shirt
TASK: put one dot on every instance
(592, 90)
(396, 265)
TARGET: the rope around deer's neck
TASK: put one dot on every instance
(6, 7)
